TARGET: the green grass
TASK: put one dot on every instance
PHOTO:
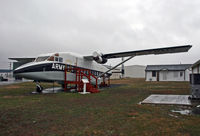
(112, 112)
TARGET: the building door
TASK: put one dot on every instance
(164, 75)
(158, 75)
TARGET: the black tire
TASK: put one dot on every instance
(39, 89)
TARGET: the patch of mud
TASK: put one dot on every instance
(12, 87)
(112, 86)
(171, 115)
(9, 97)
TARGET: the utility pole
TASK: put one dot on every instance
(122, 70)
(10, 68)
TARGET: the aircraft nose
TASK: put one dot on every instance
(19, 71)
(32, 70)
(16, 71)
(22, 71)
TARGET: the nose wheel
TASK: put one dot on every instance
(39, 88)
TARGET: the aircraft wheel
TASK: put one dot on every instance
(39, 88)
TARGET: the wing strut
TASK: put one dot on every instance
(116, 66)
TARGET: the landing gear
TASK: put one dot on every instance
(39, 88)
(63, 86)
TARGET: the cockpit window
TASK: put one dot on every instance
(55, 58)
(51, 58)
(43, 58)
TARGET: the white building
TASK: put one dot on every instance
(133, 71)
(116, 74)
(178, 72)
(196, 67)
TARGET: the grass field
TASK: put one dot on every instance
(112, 112)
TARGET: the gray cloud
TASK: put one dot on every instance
(32, 27)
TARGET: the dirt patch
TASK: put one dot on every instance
(8, 97)
(12, 87)
(127, 81)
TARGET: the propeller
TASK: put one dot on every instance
(98, 57)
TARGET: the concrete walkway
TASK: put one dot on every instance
(167, 99)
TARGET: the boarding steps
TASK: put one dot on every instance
(80, 74)
(90, 88)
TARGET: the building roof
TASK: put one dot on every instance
(196, 64)
(25, 59)
(136, 66)
(176, 67)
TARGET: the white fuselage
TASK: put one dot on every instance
(52, 68)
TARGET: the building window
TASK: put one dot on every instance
(153, 73)
(181, 74)
(175, 74)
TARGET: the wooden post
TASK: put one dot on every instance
(65, 82)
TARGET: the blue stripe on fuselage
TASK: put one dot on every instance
(52, 67)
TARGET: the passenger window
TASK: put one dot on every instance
(60, 59)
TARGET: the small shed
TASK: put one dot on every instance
(174, 72)
(196, 67)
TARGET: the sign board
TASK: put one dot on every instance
(85, 81)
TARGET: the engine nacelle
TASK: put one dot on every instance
(98, 58)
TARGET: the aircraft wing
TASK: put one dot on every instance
(156, 51)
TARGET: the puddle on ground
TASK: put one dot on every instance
(191, 111)
(182, 112)
(50, 90)
(196, 110)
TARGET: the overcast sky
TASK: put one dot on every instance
(32, 27)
